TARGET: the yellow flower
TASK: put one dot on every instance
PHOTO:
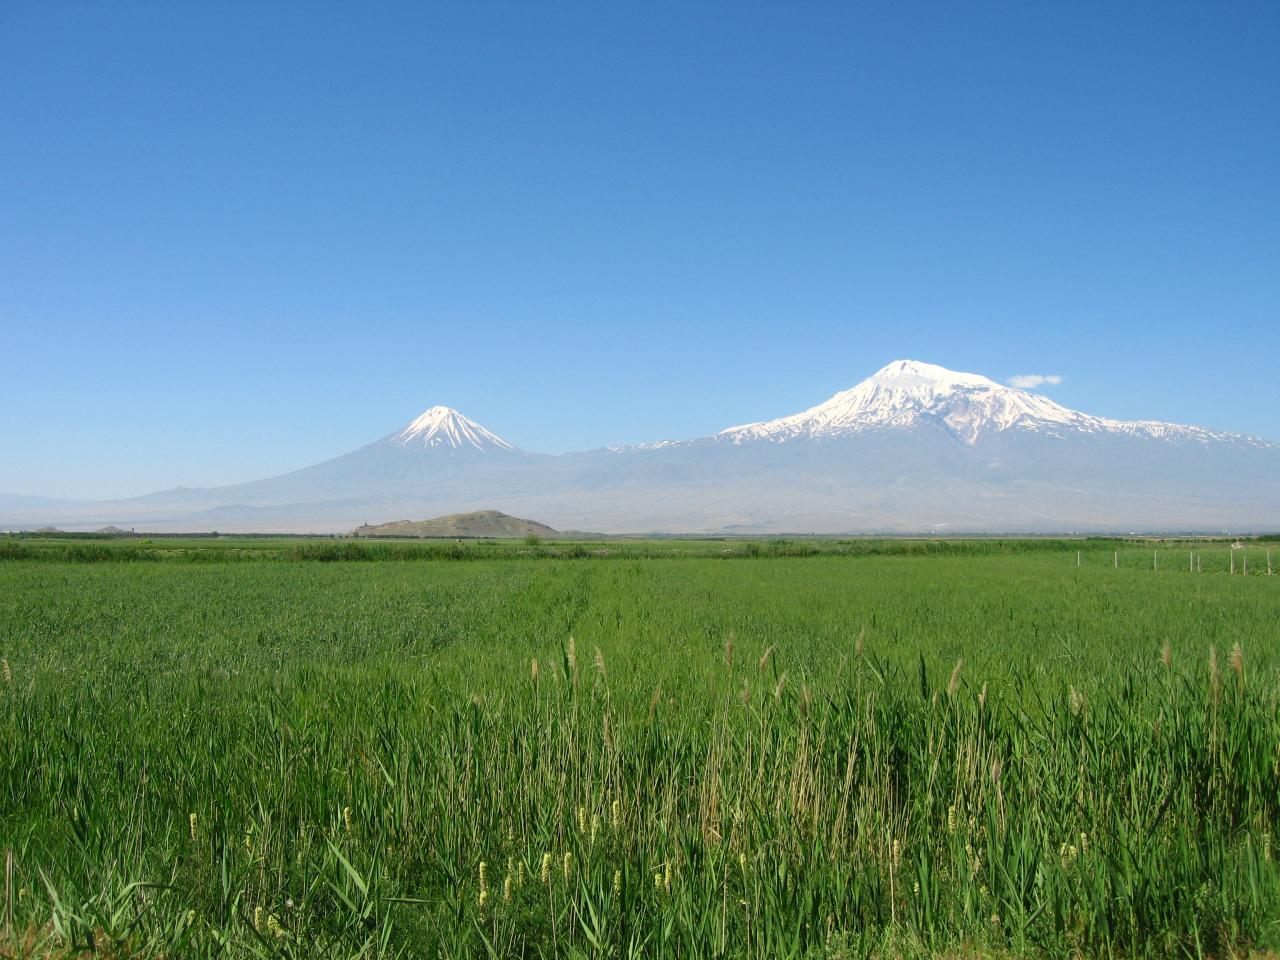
(194, 831)
(546, 868)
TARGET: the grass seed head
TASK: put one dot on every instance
(5, 671)
(194, 825)
(954, 683)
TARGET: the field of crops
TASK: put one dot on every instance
(838, 749)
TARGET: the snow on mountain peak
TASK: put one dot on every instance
(444, 427)
(905, 374)
(909, 393)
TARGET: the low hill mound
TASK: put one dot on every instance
(482, 523)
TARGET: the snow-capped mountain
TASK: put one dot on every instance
(914, 447)
(907, 393)
(447, 428)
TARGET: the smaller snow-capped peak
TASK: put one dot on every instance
(444, 427)
(909, 393)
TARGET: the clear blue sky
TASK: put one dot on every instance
(240, 238)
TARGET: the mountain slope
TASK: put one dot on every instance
(914, 447)
(481, 523)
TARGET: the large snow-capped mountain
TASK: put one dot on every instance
(907, 394)
(912, 448)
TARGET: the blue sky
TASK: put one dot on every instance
(239, 238)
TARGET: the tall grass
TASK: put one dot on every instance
(782, 759)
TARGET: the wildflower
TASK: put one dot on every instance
(617, 883)
(520, 874)
(897, 855)
(951, 818)
(483, 898)
(546, 868)
(595, 827)
(506, 889)
(1084, 842)
(742, 862)
(257, 917)
(617, 815)
(657, 880)
(194, 831)
(582, 819)
(346, 818)
(666, 877)
(274, 928)
(1266, 845)
(567, 866)
(191, 917)
(915, 888)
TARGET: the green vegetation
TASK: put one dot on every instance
(828, 748)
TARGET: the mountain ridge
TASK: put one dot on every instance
(912, 448)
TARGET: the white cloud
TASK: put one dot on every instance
(1029, 381)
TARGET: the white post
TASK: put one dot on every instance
(1115, 559)
(1155, 560)
(1191, 561)
(1077, 558)
(1268, 563)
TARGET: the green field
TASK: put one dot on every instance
(829, 748)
